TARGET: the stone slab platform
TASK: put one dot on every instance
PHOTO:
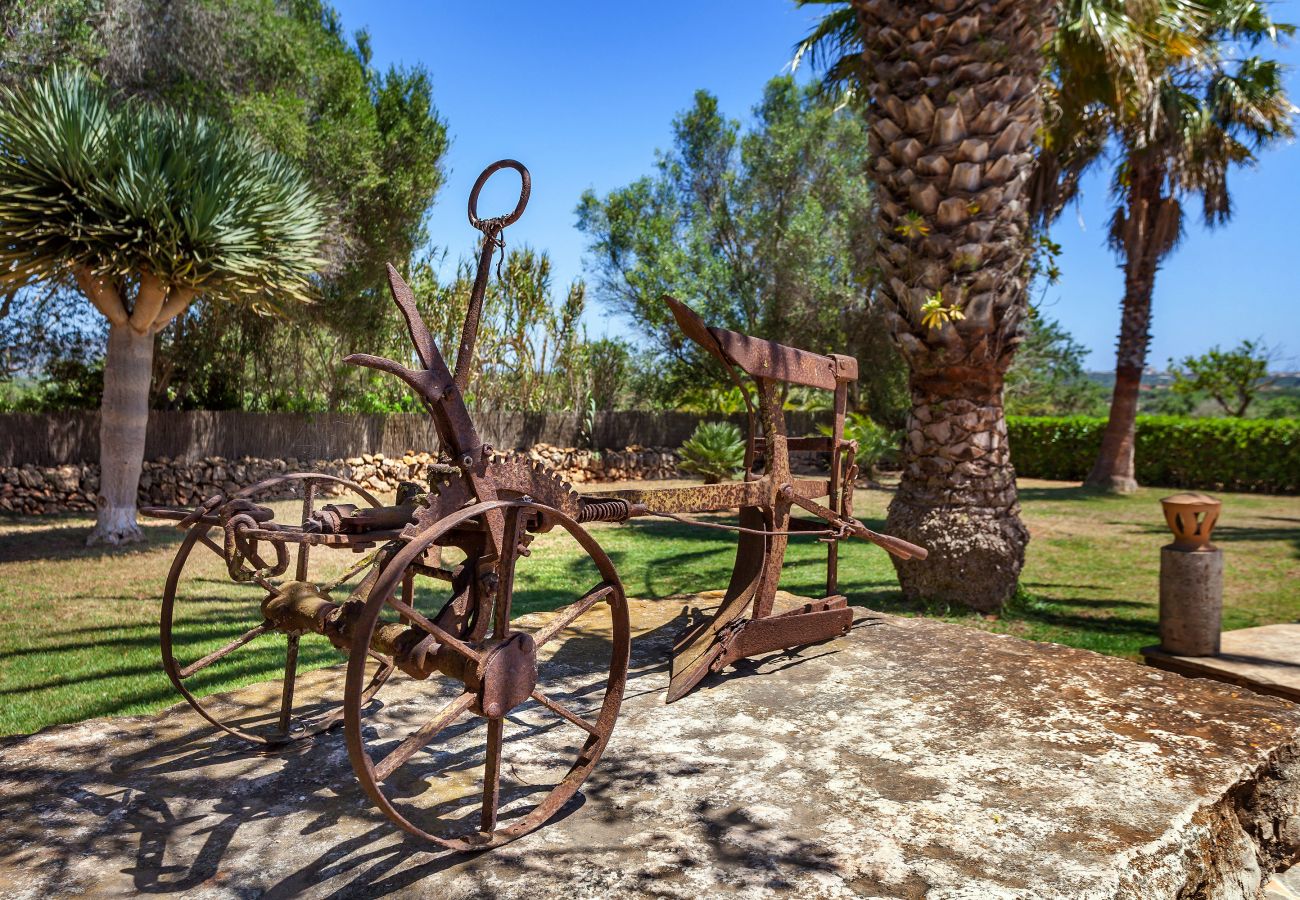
(910, 759)
(1265, 659)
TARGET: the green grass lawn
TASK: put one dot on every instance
(79, 626)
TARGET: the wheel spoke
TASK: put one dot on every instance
(408, 592)
(304, 548)
(224, 651)
(492, 774)
(212, 545)
(349, 574)
(564, 712)
(271, 587)
(443, 636)
(506, 575)
(290, 679)
(590, 599)
(407, 748)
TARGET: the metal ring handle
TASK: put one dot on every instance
(525, 188)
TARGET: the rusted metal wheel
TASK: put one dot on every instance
(486, 756)
(190, 582)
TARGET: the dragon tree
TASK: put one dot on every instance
(144, 210)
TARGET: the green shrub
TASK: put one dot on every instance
(876, 443)
(1261, 455)
(716, 450)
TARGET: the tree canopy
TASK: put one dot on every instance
(287, 74)
(1233, 378)
(1047, 377)
(132, 192)
(761, 229)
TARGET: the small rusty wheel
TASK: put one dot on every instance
(191, 581)
(548, 696)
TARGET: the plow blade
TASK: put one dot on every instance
(712, 645)
(698, 647)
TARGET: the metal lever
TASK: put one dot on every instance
(491, 229)
(850, 526)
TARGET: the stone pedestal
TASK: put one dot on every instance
(1191, 600)
(909, 759)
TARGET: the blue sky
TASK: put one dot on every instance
(584, 92)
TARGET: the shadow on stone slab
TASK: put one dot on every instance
(912, 756)
(174, 795)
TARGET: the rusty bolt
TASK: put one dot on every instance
(493, 710)
(466, 461)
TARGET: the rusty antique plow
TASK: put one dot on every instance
(427, 586)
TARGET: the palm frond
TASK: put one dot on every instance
(834, 46)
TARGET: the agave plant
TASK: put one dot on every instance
(144, 209)
(715, 451)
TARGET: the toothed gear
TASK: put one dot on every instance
(514, 475)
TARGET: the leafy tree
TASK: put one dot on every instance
(144, 210)
(1233, 377)
(1163, 401)
(1171, 94)
(760, 229)
(951, 95)
(615, 362)
(1281, 404)
(285, 72)
(43, 329)
(1047, 377)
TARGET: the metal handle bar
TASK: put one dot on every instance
(525, 188)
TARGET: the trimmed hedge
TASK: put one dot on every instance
(1260, 455)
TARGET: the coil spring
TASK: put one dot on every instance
(604, 510)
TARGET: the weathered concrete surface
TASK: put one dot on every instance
(1284, 886)
(909, 759)
(1265, 659)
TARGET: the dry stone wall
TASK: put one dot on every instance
(35, 490)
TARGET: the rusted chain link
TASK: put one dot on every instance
(237, 519)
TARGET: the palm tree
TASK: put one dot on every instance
(1181, 103)
(951, 89)
(144, 210)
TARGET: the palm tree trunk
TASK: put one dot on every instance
(124, 415)
(1115, 468)
(1142, 235)
(953, 101)
(958, 493)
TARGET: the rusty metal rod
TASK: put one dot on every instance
(422, 735)
(564, 712)
(761, 532)
(225, 651)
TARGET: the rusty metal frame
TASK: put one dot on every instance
(489, 506)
